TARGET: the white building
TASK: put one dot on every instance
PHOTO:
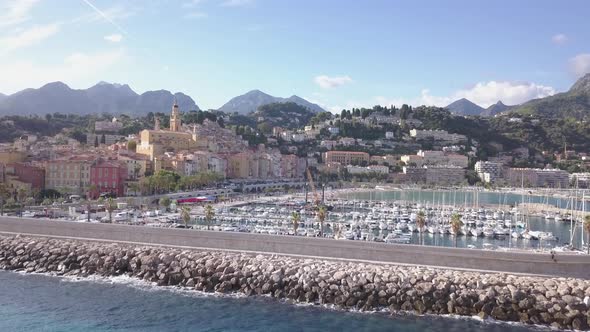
(373, 169)
(438, 135)
(334, 130)
(488, 171)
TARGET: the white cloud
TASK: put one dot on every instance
(236, 3)
(192, 3)
(195, 15)
(15, 11)
(484, 94)
(28, 37)
(580, 64)
(510, 93)
(559, 38)
(327, 82)
(76, 67)
(114, 38)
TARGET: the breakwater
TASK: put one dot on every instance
(560, 264)
(558, 302)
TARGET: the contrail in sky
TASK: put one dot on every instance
(101, 13)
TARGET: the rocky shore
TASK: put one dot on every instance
(558, 302)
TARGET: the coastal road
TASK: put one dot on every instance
(561, 264)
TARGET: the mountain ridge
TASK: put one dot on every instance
(464, 106)
(573, 103)
(496, 108)
(102, 97)
(253, 99)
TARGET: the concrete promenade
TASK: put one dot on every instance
(565, 264)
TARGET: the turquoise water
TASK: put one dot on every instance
(43, 303)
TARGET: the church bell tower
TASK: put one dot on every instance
(175, 117)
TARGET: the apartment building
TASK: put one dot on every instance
(70, 174)
(346, 157)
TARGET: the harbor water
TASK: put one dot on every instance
(562, 230)
(469, 198)
(44, 303)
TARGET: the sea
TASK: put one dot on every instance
(34, 302)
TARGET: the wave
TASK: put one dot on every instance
(128, 281)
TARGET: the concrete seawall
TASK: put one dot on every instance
(565, 264)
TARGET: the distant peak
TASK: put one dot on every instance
(56, 84)
(116, 85)
(582, 84)
(256, 92)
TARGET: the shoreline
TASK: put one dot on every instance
(346, 285)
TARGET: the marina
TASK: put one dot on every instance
(486, 220)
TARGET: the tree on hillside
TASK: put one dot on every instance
(132, 146)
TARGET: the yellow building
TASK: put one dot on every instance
(175, 121)
(11, 156)
(238, 165)
(154, 143)
(346, 157)
(70, 174)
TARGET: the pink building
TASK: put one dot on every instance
(28, 174)
(108, 177)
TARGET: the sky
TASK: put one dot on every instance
(336, 53)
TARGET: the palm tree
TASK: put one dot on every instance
(296, 218)
(4, 196)
(88, 208)
(587, 228)
(91, 190)
(165, 202)
(322, 214)
(421, 222)
(110, 206)
(209, 214)
(456, 225)
(185, 215)
(21, 196)
(134, 186)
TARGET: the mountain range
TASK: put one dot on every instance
(252, 100)
(121, 99)
(102, 97)
(573, 103)
(466, 107)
